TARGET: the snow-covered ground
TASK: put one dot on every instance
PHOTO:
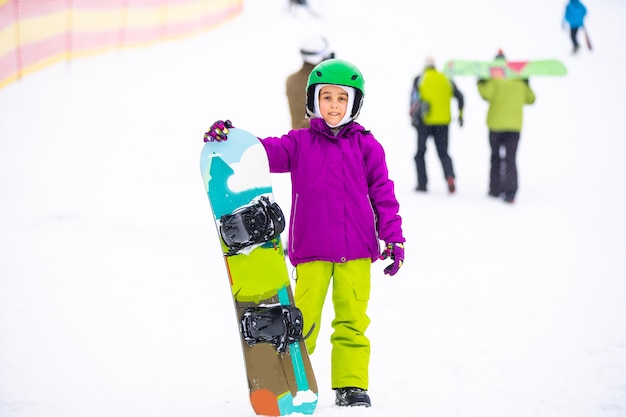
(113, 294)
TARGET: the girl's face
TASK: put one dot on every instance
(333, 104)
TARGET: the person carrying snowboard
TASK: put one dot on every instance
(343, 202)
(575, 13)
(506, 98)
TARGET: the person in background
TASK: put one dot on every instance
(343, 205)
(296, 4)
(313, 51)
(575, 13)
(431, 97)
(506, 98)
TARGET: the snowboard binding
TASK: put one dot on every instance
(256, 223)
(279, 325)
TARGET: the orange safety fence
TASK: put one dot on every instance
(38, 33)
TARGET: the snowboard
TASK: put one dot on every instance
(237, 179)
(500, 68)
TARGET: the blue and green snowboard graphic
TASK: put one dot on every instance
(236, 174)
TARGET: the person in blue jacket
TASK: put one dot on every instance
(575, 13)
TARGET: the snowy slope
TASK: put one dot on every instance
(113, 297)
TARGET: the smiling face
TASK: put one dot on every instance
(333, 102)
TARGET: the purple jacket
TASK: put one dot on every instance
(342, 200)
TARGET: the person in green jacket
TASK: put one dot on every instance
(506, 98)
(430, 115)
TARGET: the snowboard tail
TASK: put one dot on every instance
(238, 183)
(500, 68)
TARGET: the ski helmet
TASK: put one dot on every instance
(337, 72)
(315, 50)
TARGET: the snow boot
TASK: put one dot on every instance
(451, 187)
(352, 397)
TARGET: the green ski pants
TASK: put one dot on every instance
(351, 291)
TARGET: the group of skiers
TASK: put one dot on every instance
(431, 97)
(430, 111)
(430, 114)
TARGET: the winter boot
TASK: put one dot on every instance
(352, 397)
(451, 187)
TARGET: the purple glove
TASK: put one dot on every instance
(395, 251)
(218, 131)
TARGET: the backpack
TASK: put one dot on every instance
(419, 108)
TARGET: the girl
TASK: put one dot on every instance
(343, 202)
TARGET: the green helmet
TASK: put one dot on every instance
(337, 72)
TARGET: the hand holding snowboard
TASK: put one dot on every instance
(218, 131)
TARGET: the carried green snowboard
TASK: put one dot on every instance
(237, 179)
(500, 68)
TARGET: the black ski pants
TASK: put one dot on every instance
(503, 175)
(573, 33)
(440, 135)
